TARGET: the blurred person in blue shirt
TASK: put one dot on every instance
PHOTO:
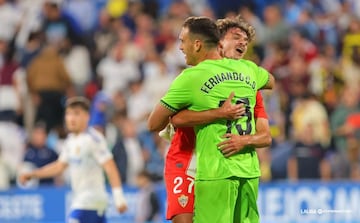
(98, 111)
(38, 153)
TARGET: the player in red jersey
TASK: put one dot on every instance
(180, 163)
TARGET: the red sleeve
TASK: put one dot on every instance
(259, 110)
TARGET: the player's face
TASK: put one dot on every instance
(76, 119)
(234, 44)
(187, 46)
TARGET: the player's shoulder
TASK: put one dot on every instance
(188, 74)
(70, 137)
(247, 63)
(94, 135)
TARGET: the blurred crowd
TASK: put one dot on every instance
(123, 55)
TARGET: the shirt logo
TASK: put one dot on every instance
(183, 200)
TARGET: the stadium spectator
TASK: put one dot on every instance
(59, 26)
(49, 82)
(137, 107)
(343, 132)
(133, 149)
(310, 113)
(10, 18)
(99, 111)
(10, 104)
(37, 153)
(12, 142)
(275, 30)
(6, 173)
(349, 104)
(116, 71)
(73, 55)
(308, 159)
(148, 204)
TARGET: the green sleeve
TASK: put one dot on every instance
(179, 94)
(261, 75)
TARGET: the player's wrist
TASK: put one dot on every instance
(219, 113)
(118, 196)
(33, 175)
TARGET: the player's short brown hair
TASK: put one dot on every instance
(78, 101)
(238, 22)
(205, 28)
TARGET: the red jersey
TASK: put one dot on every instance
(181, 149)
(179, 185)
(259, 109)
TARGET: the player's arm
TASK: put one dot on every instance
(265, 79)
(115, 182)
(270, 83)
(159, 118)
(178, 97)
(47, 171)
(262, 123)
(233, 143)
(262, 135)
(188, 118)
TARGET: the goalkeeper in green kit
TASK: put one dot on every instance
(225, 188)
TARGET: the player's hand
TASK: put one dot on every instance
(231, 111)
(25, 177)
(232, 144)
(122, 208)
(119, 199)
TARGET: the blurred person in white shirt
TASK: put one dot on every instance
(86, 154)
(5, 173)
(74, 55)
(134, 152)
(138, 104)
(116, 71)
(12, 142)
(10, 17)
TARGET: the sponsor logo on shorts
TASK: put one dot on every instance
(183, 200)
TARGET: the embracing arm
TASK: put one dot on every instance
(187, 118)
(159, 118)
(270, 84)
(234, 142)
(262, 138)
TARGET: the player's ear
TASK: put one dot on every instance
(220, 48)
(220, 45)
(197, 45)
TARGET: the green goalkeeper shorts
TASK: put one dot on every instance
(229, 200)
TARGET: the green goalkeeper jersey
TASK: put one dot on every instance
(206, 86)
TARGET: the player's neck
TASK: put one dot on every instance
(79, 131)
(210, 55)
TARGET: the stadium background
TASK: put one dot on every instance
(124, 54)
